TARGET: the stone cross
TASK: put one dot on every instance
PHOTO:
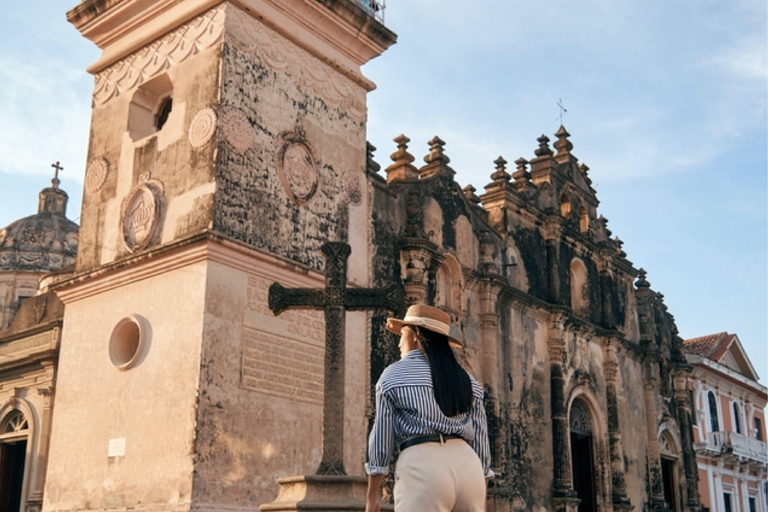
(335, 299)
(58, 168)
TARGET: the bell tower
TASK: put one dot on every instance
(227, 144)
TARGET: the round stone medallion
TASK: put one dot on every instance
(236, 129)
(352, 186)
(140, 217)
(202, 128)
(96, 175)
(298, 171)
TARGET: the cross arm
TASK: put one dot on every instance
(391, 297)
(281, 298)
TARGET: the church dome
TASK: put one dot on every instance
(43, 242)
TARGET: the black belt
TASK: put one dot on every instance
(434, 438)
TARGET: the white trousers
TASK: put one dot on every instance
(439, 477)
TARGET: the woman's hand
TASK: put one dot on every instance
(372, 497)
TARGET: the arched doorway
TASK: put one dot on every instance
(668, 470)
(14, 433)
(582, 456)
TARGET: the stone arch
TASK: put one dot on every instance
(433, 221)
(449, 284)
(671, 460)
(515, 267)
(466, 243)
(583, 402)
(578, 280)
(18, 404)
(583, 220)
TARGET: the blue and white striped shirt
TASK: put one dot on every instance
(406, 407)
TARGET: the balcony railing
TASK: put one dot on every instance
(374, 8)
(737, 445)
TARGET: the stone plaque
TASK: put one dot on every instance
(352, 185)
(281, 366)
(202, 128)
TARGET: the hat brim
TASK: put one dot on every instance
(396, 325)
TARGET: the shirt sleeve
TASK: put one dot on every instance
(381, 442)
(480, 426)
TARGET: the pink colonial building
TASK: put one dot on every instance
(728, 425)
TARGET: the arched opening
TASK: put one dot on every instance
(668, 470)
(14, 434)
(578, 277)
(582, 456)
(565, 206)
(583, 220)
(714, 420)
(448, 285)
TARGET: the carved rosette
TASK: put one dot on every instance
(352, 186)
(141, 213)
(96, 175)
(202, 128)
(236, 129)
(297, 167)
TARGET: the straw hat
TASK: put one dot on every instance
(426, 317)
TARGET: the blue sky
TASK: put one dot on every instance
(666, 104)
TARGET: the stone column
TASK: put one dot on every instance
(655, 482)
(618, 477)
(551, 234)
(686, 439)
(563, 496)
(606, 299)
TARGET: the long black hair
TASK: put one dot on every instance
(450, 382)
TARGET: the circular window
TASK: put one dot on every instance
(127, 341)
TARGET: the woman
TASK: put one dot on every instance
(432, 409)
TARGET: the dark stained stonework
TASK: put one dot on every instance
(547, 302)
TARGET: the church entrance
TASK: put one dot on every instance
(668, 477)
(582, 457)
(13, 453)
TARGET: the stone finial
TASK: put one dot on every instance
(642, 283)
(521, 175)
(543, 149)
(501, 174)
(370, 163)
(469, 194)
(604, 221)
(402, 168)
(436, 160)
(436, 152)
(584, 168)
(563, 145)
(619, 243)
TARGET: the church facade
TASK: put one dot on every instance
(227, 146)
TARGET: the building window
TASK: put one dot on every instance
(752, 504)
(727, 502)
(713, 419)
(736, 418)
(759, 430)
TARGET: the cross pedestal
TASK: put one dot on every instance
(330, 488)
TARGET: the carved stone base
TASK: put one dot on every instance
(566, 503)
(320, 493)
(656, 505)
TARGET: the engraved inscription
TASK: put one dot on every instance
(280, 366)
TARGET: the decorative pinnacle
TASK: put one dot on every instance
(55, 181)
(543, 149)
(402, 156)
(501, 170)
(370, 163)
(469, 193)
(563, 145)
(584, 168)
(521, 174)
(436, 152)
(642, 283)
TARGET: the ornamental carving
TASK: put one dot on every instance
(297, 167)
(96, 175)
(141, 213)
(202, 127)
(190, 39)
(352, 186)
(251, 36)
(236, 129)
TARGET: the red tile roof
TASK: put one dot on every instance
(712, 346)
